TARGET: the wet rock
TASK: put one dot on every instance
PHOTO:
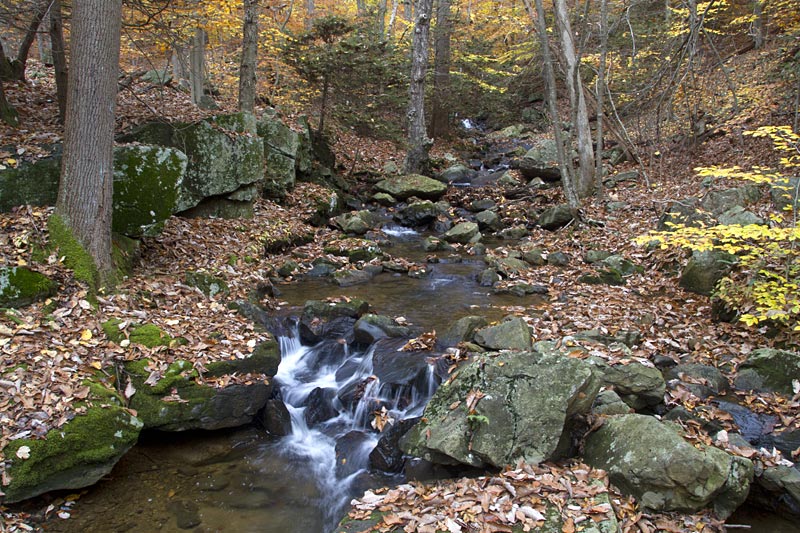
(778, 489)
(186, 513)
(754, 427)
(555, 218)
(463, 233)
(651, 461)
(457, 174)
(325, 310)
(276, 418)
(352, 453)
(321, 269)
(314, 330)
(319, 406)
(768, 369)
(638, 385)
(705, 269)
(387, 455)
(20, 286)
(393, 366)
(369, 328)
(354, 392)
(418, 214)
(348, 278)
(701, 380)
(509, 266)
(488, 277)
(529, 400)
(462, 330)
(511, 334)
(434, 244)
(404, 187)
(522, 289)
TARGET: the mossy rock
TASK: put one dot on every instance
(147, 180)
(20, 286)
(178, 403)
(280, 150)
(30, 183)
(206, 283)
(264, 360)
(148, 335)
(73, 456)
(354, 308)
(404, 187)
(769, 369)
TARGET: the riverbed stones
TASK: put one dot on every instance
(768, 369)
(504, 407)
(76, 455)
(463, 233)
(462, 330)
(387, 455)
(370, 328)
(20, 286)
(393, 365)
(651, 461)
(510, 334)
(325, 310)
(778, 488)
(701, 380)
(418, 213)
(404, 187)
(718, 202)
(638, 385)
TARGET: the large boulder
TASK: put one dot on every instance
(718, 202)
(769, 369)
(465, 232)
(638, 385)
(404, 187)
(511, 334)
(147, 180)
(556, 217)
(224, 154)
(705, 269)
(651, 461)
(76, 455)
(280, 153)
(20, 286)
(541, 161)
(504, 407)
(34, 183)
(783, 192)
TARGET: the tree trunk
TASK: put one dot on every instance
(197, 64)
(381, 18)
(600, 92)
(6, 71)
(408, 11)
(417, 159)
(361, 7)
(7, 112)
(247, 72)
(21, 62)
(84, 207)
(440, 115)
(759, 24)
(392, 19)
(564, 164)
(584, 182)
(59, 58)
(310, 14)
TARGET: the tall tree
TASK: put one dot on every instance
(59, 58)
(197, 65)
(7, 112)
(310, 14)
(83, 210)
(247, 71)
(584, 182)
(440, 115)
(419, 143)
(15, 69)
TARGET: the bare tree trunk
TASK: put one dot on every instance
(197, 64)
(381, 16)
(440, 115)
(584, 183)
(600, 92)
(564, 164)
(417, 159)
(392, 19)
(308, 23)
(361, 7)
(59, 58)
(84, 207)
(247, 72)
(408, 11)
(7, 112)
(20, 63)
(6, 71)
(759, 24)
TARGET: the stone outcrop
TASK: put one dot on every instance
(404, 187)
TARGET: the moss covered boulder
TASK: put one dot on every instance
(280, 153)
(73, 456)
(653, 462)
(20, 286)
(504, 407)
(174, 399)
(224, 154)
(147, 180)
(206, 283)
(404, 187)
(34, 183)
(148, 335)
(769, 369)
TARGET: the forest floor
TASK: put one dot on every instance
(49, 348)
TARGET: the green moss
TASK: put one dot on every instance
(208, 284)
(148, 335)
(125, 252)
(75, 455)
(75, 255)
(20, 287)
(264, 360)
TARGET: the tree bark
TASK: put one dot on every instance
(361, 7)
(197, 65)
(564, 164)
(408, 10)
(440, 115)
(247, 72)
(600, 92)
(584, 182)
(759, 29)
(392, 19)
(381, 18)
(59, 58)
(84, 204)
(19, 65)
(417, 159)
(310, 14)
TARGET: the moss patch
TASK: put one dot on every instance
(75, 255)
(264, 360)
(20, 287)
(148, 335)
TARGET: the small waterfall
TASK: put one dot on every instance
(333, 398)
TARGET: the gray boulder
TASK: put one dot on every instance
(463, 233)
(653, 462)
(783, 193)
(511, 334)
(779, 489)
(462, 330)
(418, 213)
(701, 380)
(34, 183)
(502, 408)
(370, 328)
(541, 161)
(738, 216)
(20, 286)
(705, 269)
(457, 174)
(556, 217)
(280, 153)
(404, 187)
(717, 202)
(488, 220)
(684, 213)
(768, 369)
(638, 385)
